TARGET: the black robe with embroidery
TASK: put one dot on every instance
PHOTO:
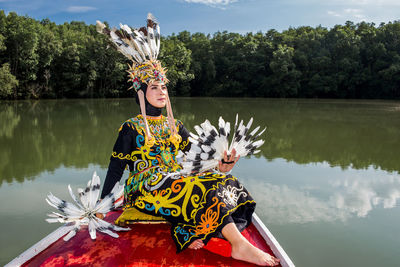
(197, 206)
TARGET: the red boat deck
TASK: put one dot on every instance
(144, 245)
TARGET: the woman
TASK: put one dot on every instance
(198, 206)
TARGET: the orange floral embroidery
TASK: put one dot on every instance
(209, 219)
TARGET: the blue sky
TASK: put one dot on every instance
(209, 16)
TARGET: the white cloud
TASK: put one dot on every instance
(333, 13)
(212, 2)
(80, 9)
(359, 195)
(352, 10)
(354, 14)
(355, 201)
(374, 2)
(282, 205)
(342, 198)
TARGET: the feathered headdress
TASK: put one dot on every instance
(142, 47)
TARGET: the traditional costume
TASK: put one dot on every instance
(196, 204)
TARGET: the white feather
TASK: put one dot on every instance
(83, 197)
(125, 28)
(54, 220)
(94, 191)
(104, 230)
(74, 197)
(258, 143)
(72, 233)
(151, 41)
(68, 208)
(158, 40)
(139, 49)
(92, 229)
(250, 123)
(143, 43)
(255, 131)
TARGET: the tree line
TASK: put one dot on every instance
(40, 59)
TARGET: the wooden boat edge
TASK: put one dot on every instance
(272, 242)
(40, 246)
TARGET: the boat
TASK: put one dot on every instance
(146, 244)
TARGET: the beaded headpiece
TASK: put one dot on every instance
(142, 47)
(146, 72)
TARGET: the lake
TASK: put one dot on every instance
(326, 182)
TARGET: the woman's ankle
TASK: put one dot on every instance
(240, 244)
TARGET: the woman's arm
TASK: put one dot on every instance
(184, 133)
(120, 157)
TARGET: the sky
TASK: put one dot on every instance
(210, 16)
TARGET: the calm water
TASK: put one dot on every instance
(327, 182)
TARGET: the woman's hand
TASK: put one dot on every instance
(227, 163)
(100, 216)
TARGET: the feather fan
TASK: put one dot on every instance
(83, 212)
(209, 144)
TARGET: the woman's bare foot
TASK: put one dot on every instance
(247, 252)
(197, 244)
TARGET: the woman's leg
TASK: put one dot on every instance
(244, 250)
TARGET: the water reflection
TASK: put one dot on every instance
(37, 136)
(360, 195)
(322, 195)
(50, 134)
(9, 120)
(324, 161)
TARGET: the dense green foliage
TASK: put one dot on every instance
(39, 59)
(7, 81)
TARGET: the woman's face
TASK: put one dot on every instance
(156, 94)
